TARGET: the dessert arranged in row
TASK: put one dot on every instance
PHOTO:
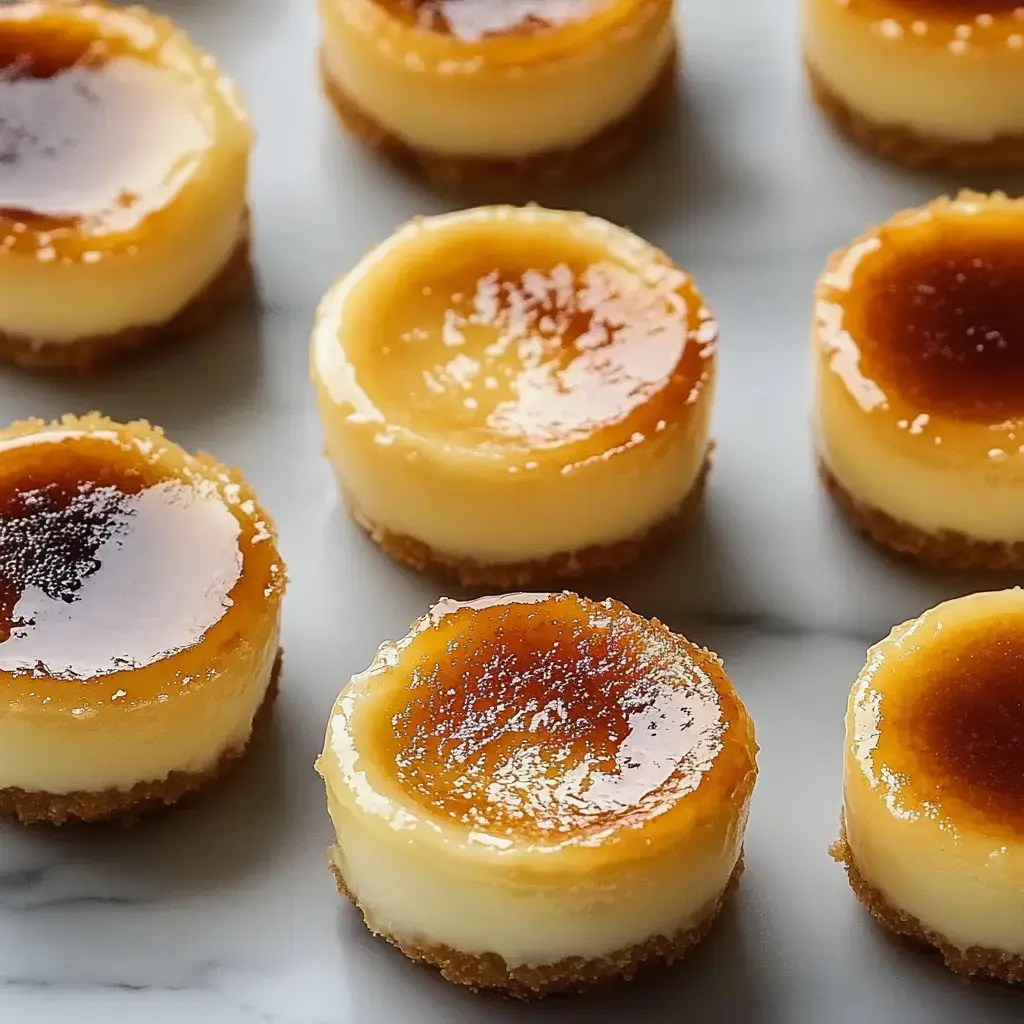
(532, 792)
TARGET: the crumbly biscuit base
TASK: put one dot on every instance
(507, 576)
(972, 962)
(946, 550)
(905, 146)
(573, 974)
(581, 162)
(128, 806)
(232, 284)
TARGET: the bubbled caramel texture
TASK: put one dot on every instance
(939, 320)
(94, 137)
(105, 565)
(553, 719)
(960, 8)
(473, 20)
(963, 718)
(531, 346)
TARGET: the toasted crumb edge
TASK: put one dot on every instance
(145, 798)
(505, 576)
(579, 163)
(947, 550)
(574, 974)
(232, 284)
(908, 148)
(974, 962)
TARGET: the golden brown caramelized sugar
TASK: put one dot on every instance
(109, 562)
(930, 313)
(473, 20)
(555, 717)
(958, 26)
(959, 712)
(516, 347)
(95, 137)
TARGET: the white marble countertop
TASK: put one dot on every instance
(225, 912)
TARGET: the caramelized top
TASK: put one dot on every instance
(961, 26)
(551, 718)
(530, 341)
(926, 312)
(473, 20)
(110, 562)
(96, 135)
(949, 739)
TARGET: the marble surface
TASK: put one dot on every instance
(225, 912)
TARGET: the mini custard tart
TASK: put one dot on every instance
(922, 82)
(513, 395)
(537, 792)
(123, 164)
(491, 92)
(933, 819)
(919, 344)
(140, 592)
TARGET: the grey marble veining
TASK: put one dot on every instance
(224, 911)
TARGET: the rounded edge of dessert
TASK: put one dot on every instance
(73, 300)
(946, 837)
(501, 557)
(502, 952)
(249, 651)
(498, 176)
(865, 62)
(614, 24)
(939, 452)
(381, 797)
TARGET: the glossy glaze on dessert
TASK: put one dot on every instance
(934, 312)
(554, 718)
(115, 570)
(472, 20)
(95, 137)
(960, 26)
(951, 737)
(534, 343)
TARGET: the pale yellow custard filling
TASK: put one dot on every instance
(934, 805)
(919, 349)
(512, 383)
(140, 592)
(123, 179)
(538, 777)
(490, 87)
(954, 73)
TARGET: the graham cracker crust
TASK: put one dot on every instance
(974, 962)
(903, 146)
(578, 163)
(83, 355)
(128, 806)
(508, 576)
(489, 971)
(947, 550)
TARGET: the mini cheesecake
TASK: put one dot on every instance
(494, 92)
(919, 344)
(512, 395)
(123, 163)
(140, 592)
(537, 792)
(933, 819)
(922, 82)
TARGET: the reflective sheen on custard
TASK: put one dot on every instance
(473, 20)
(531, 343)
(547, 717)
(921, 318)
(96, 138)
(961, 26)
(113, 560)
(947, 742)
